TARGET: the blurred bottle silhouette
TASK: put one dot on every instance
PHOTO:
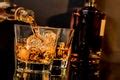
(89, 25)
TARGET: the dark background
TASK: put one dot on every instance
(56, 13)
(45, 9)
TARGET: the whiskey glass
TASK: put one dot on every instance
(35, 48)
(60, 64)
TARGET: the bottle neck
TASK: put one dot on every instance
(90, 3)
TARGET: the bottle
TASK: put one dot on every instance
(88, 35)
(73, 72)
(95, 23)
(74, 25)
(94, 20)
